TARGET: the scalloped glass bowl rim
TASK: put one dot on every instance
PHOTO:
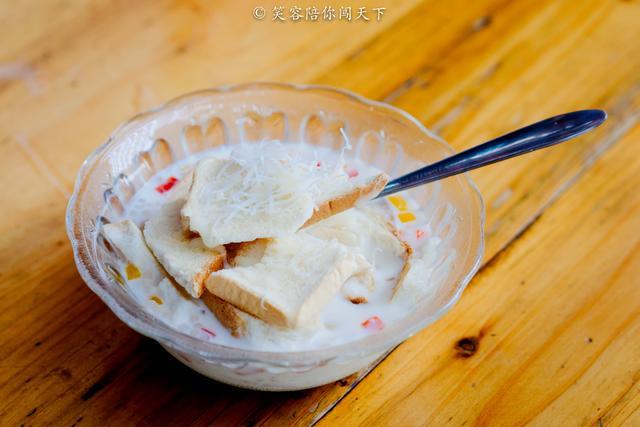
(157, 330)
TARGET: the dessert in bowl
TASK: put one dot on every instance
(235, 226)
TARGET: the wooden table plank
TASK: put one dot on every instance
(161, 50)
(98, 365)
(118, 376)
(92, 78)
(550, 332)
(47, 356)
(514, 200)
(517, 192)
(523, 66)
(31, 135)
(80, 93)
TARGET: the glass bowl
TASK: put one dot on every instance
(381, 134)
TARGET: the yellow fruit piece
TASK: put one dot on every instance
(132, 272)
(399, 202)
(406, 217)
(156, 299)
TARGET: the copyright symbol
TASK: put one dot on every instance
(259, 12)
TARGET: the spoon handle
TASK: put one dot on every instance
(542, 134)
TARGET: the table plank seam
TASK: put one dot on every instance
(479, 25)
(610, 140)
(355, 382)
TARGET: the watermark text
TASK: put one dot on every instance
(319, 14)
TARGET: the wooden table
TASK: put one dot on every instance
(547, 333)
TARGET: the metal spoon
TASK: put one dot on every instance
(542, 134)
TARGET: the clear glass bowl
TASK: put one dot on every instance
(381, 134)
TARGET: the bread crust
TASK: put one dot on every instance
(321, 212)
(348, 200)
(226, 313)
(186, 261)
(252, 304)
(255, 284)
(201, 277)
(408, 251)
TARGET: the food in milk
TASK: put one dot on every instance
(257, 234)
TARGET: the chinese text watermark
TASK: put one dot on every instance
(316, 14)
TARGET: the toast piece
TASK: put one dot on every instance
(363, 231)
(230, 317)
(423, 273)
(175, 307)
(374, 238)
(413, 281)
(231, 203)
(127, 238)
(292, 282)
(339, 203)
(377, 240)
(186, 259)
(245, 198)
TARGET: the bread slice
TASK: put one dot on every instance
(231, 203)
(413, 281)
(372, 237)
(185, 258)
(339, 203)
(244, 325)
(127, 238)
(364, 231)
(424, 272)
(229, 316)
(292, 282)
(240, 200)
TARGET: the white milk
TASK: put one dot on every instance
(341, 321)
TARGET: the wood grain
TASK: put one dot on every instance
(547, 336)
(470, 70)
(529, 60)
(517, 192)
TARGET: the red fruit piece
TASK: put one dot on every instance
(373, 324)
(352, 173)
(167, 185)
(208, 332)
(419, 234)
